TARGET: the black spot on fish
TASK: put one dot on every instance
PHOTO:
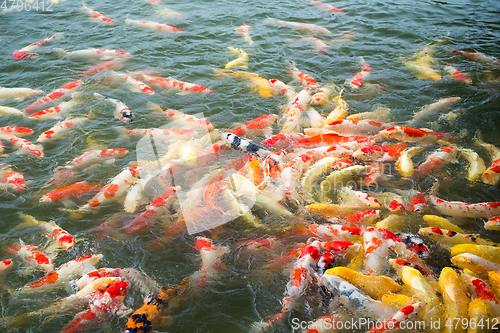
(452, 233)
(141, 319)
(473, 238)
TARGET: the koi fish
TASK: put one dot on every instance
(114, 64)
(454, 294)
(258, 83)
(54, 112)
(5, 265)
(66, 90)
(339, 178)
(245, 30)
(448, 237)
(478, 57)
(474, 263)
(410, 134)
(491, 253)
(280, 88)
(166, 12)
(10, 179)
(98, 15)
(376, 251)
(304, 27)
(303, 78)
(59, 130)
(421, 289)
(258, 126)
(27, 52)
(152, 26)
(173, 85)
(479, 289)
(25, 146)
(319, 45)
(358, 79)
(327, 7)
(132, 83)
(19, 93)
(241, 61)
(424, 60)
(436, 160)
(398, 264)
(93, 54)
(351, 127)
(69, 192)
(294, 109)
(5, 111)
(105, 306)
(92, 157)
(32, 257)
(15, 131)
(60, 236)
(187, 121)
(379, 114)
(122, 111)
(408, 313)
(442, 104)
(476, 164)
(441, 222)
(246, 146)
(363, 218)
(455, 74)
(493, 223)
(492, 174)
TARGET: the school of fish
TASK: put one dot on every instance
(346, 205)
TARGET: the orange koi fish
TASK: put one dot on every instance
(27, 52)
(98, 15)
(255, 127)
(19, 93)
(327, 7)
(358, 79)
(410, 134)
(303, 78)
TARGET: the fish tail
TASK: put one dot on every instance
(29, 221)
(60, 52)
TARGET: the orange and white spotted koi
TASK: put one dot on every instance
(408, 313)
(152, 26)
(410, 134)
(105, 306)
(376, 251)
(91, 157)
(478, 57)
(359, 78)
(303, 78)
(59, 130)
(280, 88)
(5, 265)
(327, 7)
(462, 209)
(164, 201)
(359, 127)
(283, 140)
(114, 64)
(172, 85)
(493, 223)
(437, 160)
(61, 237)
(109, 193)
(19, 93)
(31, 256)
(261, 125)
(10, 179)
(355, 197)
(27, 52)
(293, 111)
(132, 83)
(245, 30)
(65, 91)
(93, 54)
(87, 278)
(304, 27)
(479, 289)
(122, 111)
(492, 174)
(363, 218)
(15, 131)
(98, 16)
(188, 121)
(55, 112)
(331, 232)
(26, 146)
(455, 74)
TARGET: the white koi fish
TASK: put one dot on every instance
(442, 104)
(27, 52)
(122, 111)
(5, 111)
(152, 26)
(25, 146)
(19, 93)
(93, 54)
(65, 91)
(132, 83)
(376, 251)
(244, 30)
(59, 130)
(304, 27)
(166, 12)
(98, 16)
(173, 85)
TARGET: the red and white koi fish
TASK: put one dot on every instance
(27, 52)
(19, 93)
(5, 111)
(166, 12)
(32, 257)
(65, 272)
(325, 262)
(97, 15)
(93, 54)
(122, 111)
(261, 125)
(164, 201)
(319, 45)
(59, 130)
(211, 263)
(91, 157)
(478, 57)
(114, 64)
(358, 79)
(280, 88)
(61, 237)
(410, 134)
(162, 133)
(303, 78)
(398, 264)
(173, 85)
(87, 278)
(10, 179)
(283, 140)
(479, 289)
(415, 244)
(65, 91)
(352, 127)
(363, 218)
(305, 27)
(86, 295)
(244, 30)
(493, 223)
(152, 25)
(455, 74)
(376, 251)
(70, 192)
(133, 84)
(55, 112)
(5, 265)
(293, 111)
(397, 245)
(105, 306)
(408, 313)
(331, 232)
(113, 190)
(437, 160)
(357, 198)
(492, 175)
(327, 7)
(15, 131)
(188, 121)
(26, 146)
(443, 103)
